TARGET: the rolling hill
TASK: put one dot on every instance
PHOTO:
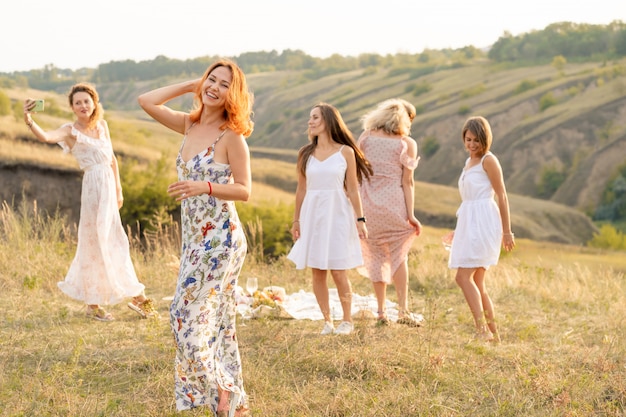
(570, 121)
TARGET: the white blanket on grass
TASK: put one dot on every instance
(302, 305)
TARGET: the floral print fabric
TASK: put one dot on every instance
(202, 313)
(102, 271)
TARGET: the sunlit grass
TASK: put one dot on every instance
(561, 311)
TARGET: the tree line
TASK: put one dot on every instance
(573, 41)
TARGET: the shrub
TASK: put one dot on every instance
(547, 100)
(464, 110)
(267, 228)
(608, 238)
(550, 181)
(430, 146)
(5, 104)
(145, 192)
(525, 85)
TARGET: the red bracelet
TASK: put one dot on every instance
(210, 187)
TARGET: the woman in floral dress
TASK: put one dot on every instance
(213, 167)
(102, 271)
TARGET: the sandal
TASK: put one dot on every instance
(484, 336)
(99, 314)
(411, 320)
(144, 308)
(235, 410)
(382, 319)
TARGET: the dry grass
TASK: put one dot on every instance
(561, 310)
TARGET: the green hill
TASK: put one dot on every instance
(566, 123)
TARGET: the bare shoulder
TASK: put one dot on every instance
(235, 141)
(347, 152)
(490, 161)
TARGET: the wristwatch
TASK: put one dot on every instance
(361, 219)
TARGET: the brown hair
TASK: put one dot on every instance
(480, 127)
(91, 90)
(239, 100)
(339, 133)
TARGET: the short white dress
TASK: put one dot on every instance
(478, 233)
(102, 271)
(328, 235)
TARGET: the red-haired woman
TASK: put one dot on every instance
(213, 167)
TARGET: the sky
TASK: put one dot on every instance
(77, 34)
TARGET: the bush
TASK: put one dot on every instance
(608, 238)
(145, 192)
(5, 104)
(547, 100)
(429, 147)
(267, 229)
(550, 181)
(525, 85)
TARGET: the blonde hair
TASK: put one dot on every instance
(393, 116)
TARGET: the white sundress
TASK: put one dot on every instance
(102, 271)
(329, 238)
(478, 233)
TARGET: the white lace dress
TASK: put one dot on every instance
(102, 271)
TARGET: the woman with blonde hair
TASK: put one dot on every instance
(388, 200)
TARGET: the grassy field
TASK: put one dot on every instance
(561, 310)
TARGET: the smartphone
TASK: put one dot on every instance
(39, 106)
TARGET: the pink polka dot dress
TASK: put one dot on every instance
(390, 233)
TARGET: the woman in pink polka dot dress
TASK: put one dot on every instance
(388, 203)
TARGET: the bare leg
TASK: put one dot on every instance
(472, 296)
(320, 289)
(344, 288)
(401, 282)
(490, 316)
(380, 289)
(223, 403)
(138, 299)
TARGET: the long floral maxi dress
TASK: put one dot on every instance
(202, 313)
(102, 270)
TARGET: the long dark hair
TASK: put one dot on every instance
(338, 132)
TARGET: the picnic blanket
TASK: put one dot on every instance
(302, 305)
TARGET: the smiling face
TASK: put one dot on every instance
(473, 144)
(83, 105)
(477, 136)
(215, 87)
(316, 122)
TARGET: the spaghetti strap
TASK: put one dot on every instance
(180, 150)
(218, 138)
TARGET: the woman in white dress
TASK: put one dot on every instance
(482, 225)
(102, 271)
(328, 219)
